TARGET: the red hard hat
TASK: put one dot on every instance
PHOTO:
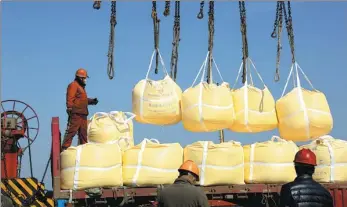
(82, 73)
(305, 156)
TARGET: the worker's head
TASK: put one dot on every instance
(81, 76)
(189, 170)
(305, 162)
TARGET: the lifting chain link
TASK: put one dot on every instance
(175, 42)
(278, 6)
(277, 33)
(211, 29)
(167, 8)
(210, 39)
(156, 22)
(113, 22)
(289, 25)
(242, 9)
(201, 12)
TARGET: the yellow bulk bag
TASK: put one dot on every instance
(303, 114)
(270, 162)
(111, 127)
(91, 165)
(157, 102)
(331, 155)
(254, 107)
(151, 163)
(207, 107)
(219, 164)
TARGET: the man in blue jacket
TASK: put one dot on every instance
(304, 191)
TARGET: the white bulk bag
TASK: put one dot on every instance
(157, 102)
(151, 163)
(331, 156)
(254, 107)
(207, 107)
(111, 127)
(91, 165)
(302, 114)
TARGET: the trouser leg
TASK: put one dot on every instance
(72, 129)
(82, 132)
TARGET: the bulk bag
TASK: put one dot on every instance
(91, 165)
(331, 156)
(303, 114)
(157, 102)
(207, 107)
(219, 164)
(151, 163)
(111, 127)
(270, 162)
(254, 107)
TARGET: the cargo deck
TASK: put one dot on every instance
(227, 195)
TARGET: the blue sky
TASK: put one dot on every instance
(43, 43)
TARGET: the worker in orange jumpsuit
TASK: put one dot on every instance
(304, 191)
(77, 103)
(183, 193)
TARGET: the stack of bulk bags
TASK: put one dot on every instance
(157, 102)
(207, 107)
(303, 114)
(254, 107)
(151, 163)
(91, 165)
(270, 162)
(219, 164)
(113, 127)
(331, 155)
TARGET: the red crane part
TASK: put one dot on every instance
(18, 120)
(9, 166)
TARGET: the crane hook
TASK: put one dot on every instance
(97, 5)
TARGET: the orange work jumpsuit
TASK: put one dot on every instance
(78, 101)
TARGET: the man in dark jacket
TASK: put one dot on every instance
(304, 191)
(77, 103)
(183, 193)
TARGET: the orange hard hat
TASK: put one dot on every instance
(82, 73)
(191, 167)
(305, 156)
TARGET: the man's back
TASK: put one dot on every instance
(182, 194)
(305, 192)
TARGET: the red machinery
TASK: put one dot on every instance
(18, 120)
(19, 130)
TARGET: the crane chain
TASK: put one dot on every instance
(97, 4)
(176, 40)
(210, 39)
(277, 33)
(167, 8)
(278, 6)
(156, 22)
(242, 10)
(279, 45)
(289, 25)
(113, 22)
(201, 12)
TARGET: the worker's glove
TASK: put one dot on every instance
(95, 101)
(68, 111)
